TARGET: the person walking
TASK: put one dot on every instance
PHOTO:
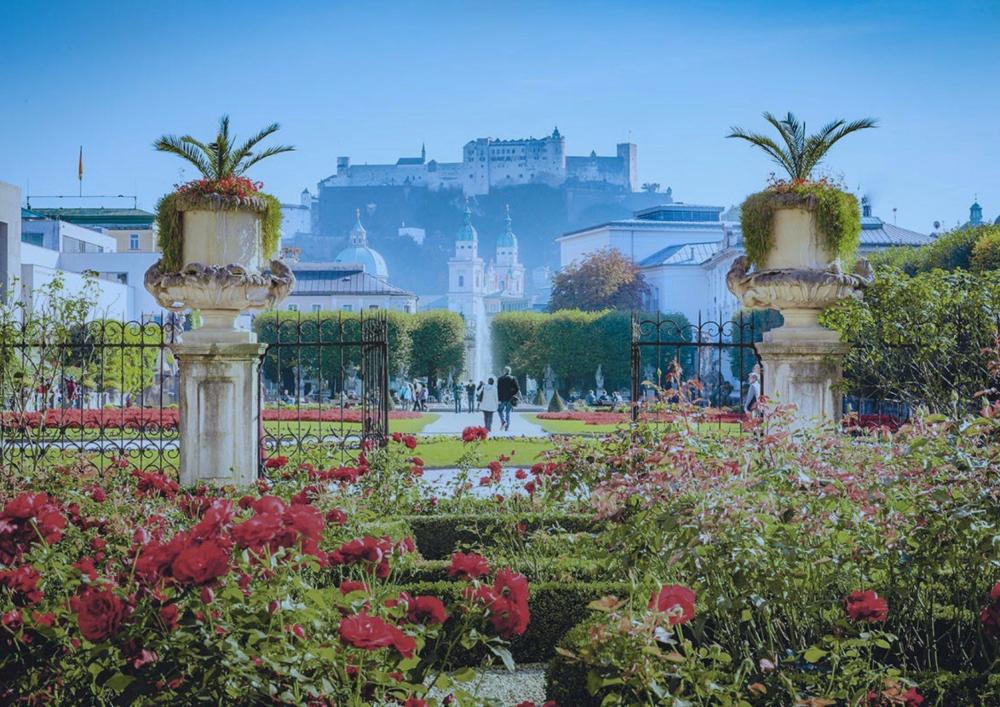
(470, 393)
(416, 396)
(488, 402)
(752, 399)
(456, 393)
(507, 394)
(479, 394)
(425, 395)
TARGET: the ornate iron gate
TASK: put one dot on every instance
(714, 357)
(324, 384)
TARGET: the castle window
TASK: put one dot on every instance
(461, 281)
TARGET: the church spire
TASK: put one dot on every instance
(359, 236)
(423, 152)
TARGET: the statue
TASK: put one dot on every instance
(549, 381)
(352, 384)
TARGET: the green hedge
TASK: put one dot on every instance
(439, 535)
(566, 682)
(546, 568)
(555, 607)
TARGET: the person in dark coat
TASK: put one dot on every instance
(507, 392)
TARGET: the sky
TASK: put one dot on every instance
(375, 79)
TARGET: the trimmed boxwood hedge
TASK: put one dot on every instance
(555, 607)
(438, 535)
(566, 682)
(562, 569)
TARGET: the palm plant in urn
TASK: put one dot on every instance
(218, 235)
(798, 231)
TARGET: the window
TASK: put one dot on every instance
(348, 308)
(315, 308)
(373, 306)
(293, 308)
(461, 280)
(32, 238)
(133, 241)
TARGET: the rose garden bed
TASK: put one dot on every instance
(656, 566)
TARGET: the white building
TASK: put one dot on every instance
(358, 279)
(52, 248)
(488, 163)
(296, 219)
(479, 291)
(686, 250)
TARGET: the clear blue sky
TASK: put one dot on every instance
(374, 79)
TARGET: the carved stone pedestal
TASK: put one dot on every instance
(219, 412)
(804, 370)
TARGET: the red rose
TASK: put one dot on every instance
(201, 564)
(258, 531)
(169, 614)
(990, 614)
(414, 702)
(410, 441)
(425, 610)
(276, 462)
(472, 434)
(866, 606)
(99, 613)
(349, 585)
(372, 633)
(469, 565)
(23, 582)
(676, 600)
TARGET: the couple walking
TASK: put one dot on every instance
(498, 396)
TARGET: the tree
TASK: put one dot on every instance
(114, 355)
(950, 251)
(748, 327)
(922, 340)
(801, 154)
(604, 280)
(437, 341)
(220, 158)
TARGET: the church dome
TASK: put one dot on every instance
(507, 239)
(359, 252)
(467, 232)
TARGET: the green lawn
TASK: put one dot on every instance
(444, 452)
(405, 425)
(578, 427)
(568, 427)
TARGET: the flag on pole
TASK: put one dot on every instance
(79, 170)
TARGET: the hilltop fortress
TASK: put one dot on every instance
(488, 164)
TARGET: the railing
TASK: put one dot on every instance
(91, 394)
(324, 384)
(706, 363)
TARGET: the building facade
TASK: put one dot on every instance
(356, 280)
(489, 163)
(685, 252)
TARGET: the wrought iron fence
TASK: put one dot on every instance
(92, 393)
(707, 363)
(324, 384)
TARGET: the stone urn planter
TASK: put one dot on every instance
(221, 273)
(800, 275)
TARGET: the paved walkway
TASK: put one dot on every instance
(451, 423)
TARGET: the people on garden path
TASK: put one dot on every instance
(424, 397)
(405, 395)
(456, 393)
(416, 396)
(591, 397)
(479, 394)
(507, 394)
(488, 402)
(470, 393)
(753, 395)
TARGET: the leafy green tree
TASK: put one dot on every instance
(986, 252)
(603, 280)
(222, 157)
(301, 354)
(437, 341)
(113, 355)
(749, 327)
(923, 340)
(516, 342)
(800, 154)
